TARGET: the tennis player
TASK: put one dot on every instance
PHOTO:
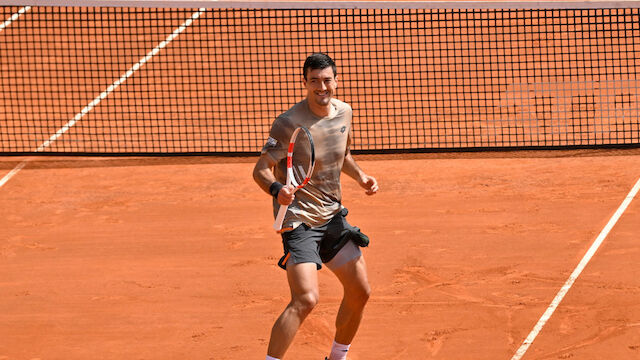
(315, 231)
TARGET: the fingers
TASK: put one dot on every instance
(286, 195)
(373, 189)
(371, 185)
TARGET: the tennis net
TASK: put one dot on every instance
(151, 77)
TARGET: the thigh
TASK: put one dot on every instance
(303, 280)
(353, 276)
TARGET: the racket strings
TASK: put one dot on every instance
(302, 161)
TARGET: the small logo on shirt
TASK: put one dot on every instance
(271, 142)
(342, 129)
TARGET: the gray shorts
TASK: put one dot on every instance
(321, 244)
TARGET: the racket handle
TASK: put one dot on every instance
(277, 225)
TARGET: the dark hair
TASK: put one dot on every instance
(318, 61)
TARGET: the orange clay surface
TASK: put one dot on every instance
(175, 258)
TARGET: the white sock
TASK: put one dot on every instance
(339, 351)
(271, 358)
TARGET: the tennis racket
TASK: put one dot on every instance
(301, 159)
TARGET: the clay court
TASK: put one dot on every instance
(137, 258)
(174, 257)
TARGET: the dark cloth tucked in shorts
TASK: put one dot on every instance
(320, 244)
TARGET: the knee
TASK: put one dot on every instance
(305, 303)
(365, 293)
(360, 295)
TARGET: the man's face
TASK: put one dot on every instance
(321, 85)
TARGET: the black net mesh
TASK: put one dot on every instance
(139, 80)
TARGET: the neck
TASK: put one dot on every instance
(320, 110)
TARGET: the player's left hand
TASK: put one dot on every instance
(370, 184)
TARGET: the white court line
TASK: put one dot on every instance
(108, 91)
(12, 173)
(121, 80)
(3, 26)
(14, 17)
(583, 263)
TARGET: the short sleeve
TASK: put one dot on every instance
(278, 141)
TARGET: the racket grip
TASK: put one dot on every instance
(277, 225)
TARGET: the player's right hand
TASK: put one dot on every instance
(286, 195)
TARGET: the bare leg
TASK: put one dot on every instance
(353, 277)
(303, 282)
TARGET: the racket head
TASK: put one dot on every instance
(301, 158)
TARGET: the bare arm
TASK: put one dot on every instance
(263, 173)
(351, 168)
(263, 176)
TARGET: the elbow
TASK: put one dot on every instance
(256, 175)
(261, 173)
